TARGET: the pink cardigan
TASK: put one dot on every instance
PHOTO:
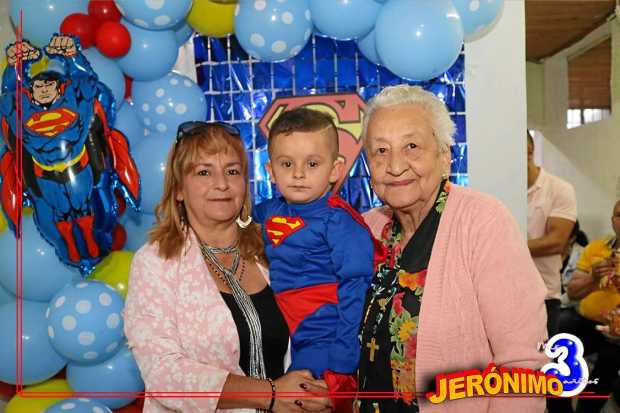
(483, 301)
(179, 329)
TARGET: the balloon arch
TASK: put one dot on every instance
(247, 54)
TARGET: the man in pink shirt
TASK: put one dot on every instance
(551, 215)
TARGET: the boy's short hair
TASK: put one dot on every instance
(304, 120)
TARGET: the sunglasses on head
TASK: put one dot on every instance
(194, 127)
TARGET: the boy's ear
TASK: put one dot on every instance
(270, 171)
(337, 170)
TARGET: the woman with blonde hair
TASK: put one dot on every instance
(200, 316)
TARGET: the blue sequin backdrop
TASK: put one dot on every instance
(239, 90)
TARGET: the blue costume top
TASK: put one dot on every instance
(321, 263)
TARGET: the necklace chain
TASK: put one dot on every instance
(243, 300)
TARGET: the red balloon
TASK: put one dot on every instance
(119, 237)
(128, 83)
(113, 39)
(135, 407)
(80, 25)
(7, 391)
(104, 10)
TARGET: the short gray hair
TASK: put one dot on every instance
(442, 124)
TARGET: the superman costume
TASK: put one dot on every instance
(320, 263)
(72, 160)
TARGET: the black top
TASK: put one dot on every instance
(274, 331)
(390, 327)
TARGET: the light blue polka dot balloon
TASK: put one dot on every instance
(418, 39)
(78, 406)
(183, 32)
(40, 360)
(478, 16)
(165, 103)
(42, 18)
(154, 14)
(368, 47)
(118, 374)
(108, 72)
(5, 296)
(344, 19)
(43, 274)
(129, 124)
(137, 225)
(85, 323)
(150, 156)
(273, 30)
(152, 53)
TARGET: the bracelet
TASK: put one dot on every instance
(273, 394)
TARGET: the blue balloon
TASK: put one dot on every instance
(152, 53)
(273, 30)
(6, 296)
(418, 39)
(108, 72)
(40, 360)
(478, 16)
(368, 47)
(137, 225)
(344, 19)
(150, 156)
(164, 104)
(78, 406)
(42, 18)
(129, 124)
(118, 374)
(183, 32)
(85, 322)
(154, 14)
(43, 274)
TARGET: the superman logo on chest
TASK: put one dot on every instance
(279, 227)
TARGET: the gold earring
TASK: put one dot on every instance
(243, 223)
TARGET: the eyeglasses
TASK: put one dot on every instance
(194, 127)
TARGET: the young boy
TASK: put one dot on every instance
(320, 251)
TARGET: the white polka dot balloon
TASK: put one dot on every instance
(478, 16)
(78, 406)
(273, 30)
(154, 14)
(165, 103)
(84, 321)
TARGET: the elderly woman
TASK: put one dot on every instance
(200, 316)
(456, 288)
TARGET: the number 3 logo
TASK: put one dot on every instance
(571, 369)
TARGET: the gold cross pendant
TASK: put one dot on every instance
(373, 347)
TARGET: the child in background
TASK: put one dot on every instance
(319, 249)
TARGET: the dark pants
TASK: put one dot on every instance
(571, 322)
(553, 316)
(606, 370)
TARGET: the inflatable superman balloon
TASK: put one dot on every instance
(65, 157)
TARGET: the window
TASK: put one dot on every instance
(589, 77)
(578, 117)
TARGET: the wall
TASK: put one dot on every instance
(587, 156)
(496, 111)
(535, 80)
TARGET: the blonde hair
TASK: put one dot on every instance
(171, 228)
(442, 124)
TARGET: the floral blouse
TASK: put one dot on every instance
(390, 325)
